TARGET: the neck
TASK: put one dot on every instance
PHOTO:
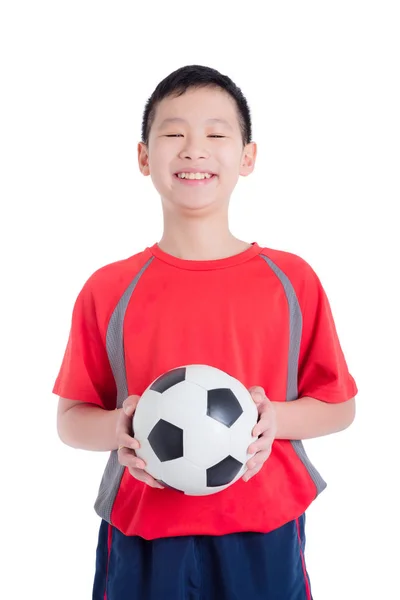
(199, 238)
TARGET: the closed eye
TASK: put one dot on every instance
(180, 135)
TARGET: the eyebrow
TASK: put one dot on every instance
(173, 120)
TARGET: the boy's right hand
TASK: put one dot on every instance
(127, 444)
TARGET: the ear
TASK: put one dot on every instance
(248, 159)
(143, 159)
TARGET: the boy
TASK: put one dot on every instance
(203, 296)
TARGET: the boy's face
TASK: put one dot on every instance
(185, 138)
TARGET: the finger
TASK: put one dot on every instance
(128, 458)
(257, 389)
(263, 403)
(124, 424)
(257, 393)
(258, 459)
(128, 441)
(262, 425)
(251, 472)
(145, 478)
(130, 403)
(262, 444)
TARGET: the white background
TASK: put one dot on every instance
(322, 81)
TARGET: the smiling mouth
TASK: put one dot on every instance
(194, 174)
(194, 178)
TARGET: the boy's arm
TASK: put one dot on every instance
(87, 426)
(90, 427)
(307, 418)
(296, 420)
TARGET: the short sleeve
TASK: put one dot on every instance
(323, 371)
(85, 372)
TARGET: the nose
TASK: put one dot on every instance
(193, 149)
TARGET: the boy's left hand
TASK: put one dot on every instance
(265, 430)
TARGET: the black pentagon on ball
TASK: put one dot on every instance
(166, 440)
(223, 472)
(223, 406)
(169, 379)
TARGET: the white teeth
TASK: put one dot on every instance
(194, 175)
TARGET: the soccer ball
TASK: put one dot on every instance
(194, 425)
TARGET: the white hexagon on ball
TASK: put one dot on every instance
(206, 442)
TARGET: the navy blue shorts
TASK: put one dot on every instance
(238, 566)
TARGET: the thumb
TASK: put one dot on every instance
(130, 403)
(258, 394)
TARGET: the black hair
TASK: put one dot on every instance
(196, 76)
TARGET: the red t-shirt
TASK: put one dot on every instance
(262, 316)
